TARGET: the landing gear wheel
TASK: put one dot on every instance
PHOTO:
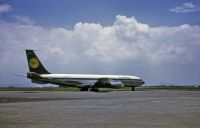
(84, 89)
(133, 89)
(94, 89)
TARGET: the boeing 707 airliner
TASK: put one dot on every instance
(38, 74)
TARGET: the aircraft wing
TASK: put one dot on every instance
(92, 83)
(108, 83)
(101, 82)
(104, 80)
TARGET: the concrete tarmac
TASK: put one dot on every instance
(139, 109)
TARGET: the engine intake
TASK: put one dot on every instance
(116, 84)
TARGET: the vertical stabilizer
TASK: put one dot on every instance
(34, 63)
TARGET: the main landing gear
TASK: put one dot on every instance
(133, 89)
(84, 89)
(92, 89)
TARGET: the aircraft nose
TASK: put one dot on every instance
(142, 82)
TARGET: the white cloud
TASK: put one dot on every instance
(127, 39)
(185, 8)
(90, 46)
(5, 8)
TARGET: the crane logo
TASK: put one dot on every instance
(34, 63)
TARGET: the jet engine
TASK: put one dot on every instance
(116, 84)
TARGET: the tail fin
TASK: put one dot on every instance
(34, 63)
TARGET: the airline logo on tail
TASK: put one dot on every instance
(34, 63)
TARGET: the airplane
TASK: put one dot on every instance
(38, 74)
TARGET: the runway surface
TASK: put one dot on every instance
(139, 109)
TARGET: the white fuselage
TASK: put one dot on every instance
(81, 80)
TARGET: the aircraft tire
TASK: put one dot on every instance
(84, 89)
(94, 89)
(133, 89)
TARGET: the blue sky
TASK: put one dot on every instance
(157, 40)
(64, 13)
